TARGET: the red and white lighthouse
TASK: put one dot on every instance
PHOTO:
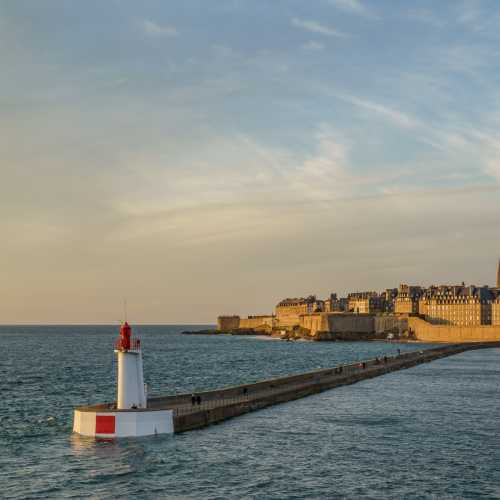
(129, 416)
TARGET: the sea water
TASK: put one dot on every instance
(428, 432)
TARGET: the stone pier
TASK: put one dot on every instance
(222, 404)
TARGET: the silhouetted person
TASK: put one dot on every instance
(198, 399)
(193, 399)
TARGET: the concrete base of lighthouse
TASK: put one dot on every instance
(89, 421)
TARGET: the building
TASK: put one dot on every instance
(407, 299)
(389, 299)
(288, 310)
(498, 275)
(495, 312)
(365, 302)
(335, 304)
(457, 305)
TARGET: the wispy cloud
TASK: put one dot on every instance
(313, 45)
(396, 116)
(154, 29)
(474, 16)
(493, 166)
(469, 12)
(316, 27)
(352, 6)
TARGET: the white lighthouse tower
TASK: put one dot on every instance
(131, 390)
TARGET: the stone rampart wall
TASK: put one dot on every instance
(257, 322)
(351, 323)
(288, 320)
(228, 323)
(427, 332)
(315, 322)
(337, 323)
(391, 324)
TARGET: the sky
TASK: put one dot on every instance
(213, 157)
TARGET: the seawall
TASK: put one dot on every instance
(219, 405)
(424, 331)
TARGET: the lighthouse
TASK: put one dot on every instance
(131, 392)
(129, 415)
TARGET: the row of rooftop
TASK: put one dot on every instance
(460, 305)
(387, 301)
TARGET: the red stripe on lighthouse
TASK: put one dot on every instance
(105, 424)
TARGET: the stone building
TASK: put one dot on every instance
(389, 299)
(495, 311)
(407, 299)
(458, 305)
(288, 310)
(335, 304)
(365, 302)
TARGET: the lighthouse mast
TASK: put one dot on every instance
(131, 392)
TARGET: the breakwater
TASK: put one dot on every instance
(210, 407)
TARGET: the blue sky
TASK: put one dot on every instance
(225, 154)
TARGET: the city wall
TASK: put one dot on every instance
(228, 323)
(232, 323)
(338, 323)
(391, 324)
(427, 332)
(257, 322)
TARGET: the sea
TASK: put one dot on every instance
(432, 431)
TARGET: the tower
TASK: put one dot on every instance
(131, 392)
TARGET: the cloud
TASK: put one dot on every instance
(492, 163)
(397, 117)
(154, 29)
(315, 27)
(469, 13)
(474, 16)
(313, 45)
(351, 6)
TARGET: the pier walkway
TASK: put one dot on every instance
(219, 405)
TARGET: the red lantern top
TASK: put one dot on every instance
(125, 334)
